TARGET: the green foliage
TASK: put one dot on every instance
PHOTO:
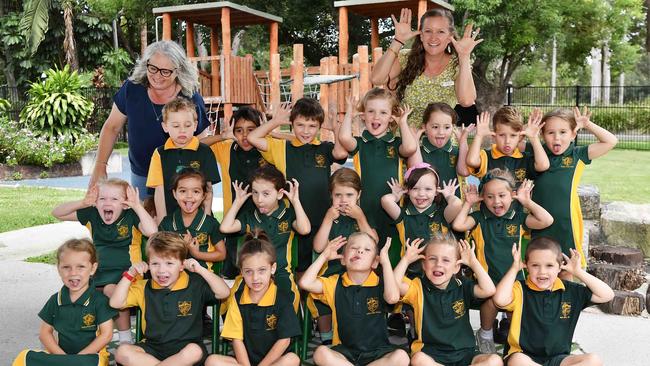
(48, 258)
(34, 22)
(117, 64)
(56, 106)
(5, 105)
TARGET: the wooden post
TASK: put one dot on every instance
(167, 27)
(214, 63)
(189, 39)
(343, 35)
(354, 83)
(225, 52)
(325, 134)
(297, 73)
(422, 8)
(374, 33)
(364, 70)
(274, 79)
(273, 38)
(376, 55)
(333, 69)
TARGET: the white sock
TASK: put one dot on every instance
(486, 334)
(125, 336)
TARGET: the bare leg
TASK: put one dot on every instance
(589, 359)
(323, 356)
(520, 359)
(398, 357)
(290, 359)
(219, 360)
(188, 356)
(488, 314)
(130, 355)
(422, 359)
(487, 360)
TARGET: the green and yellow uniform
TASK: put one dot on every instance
(543, 321)
(168, 160)
(494, 236)
(171, 317)
(443, 160)
(311, 165)
(260, 325)
(204, 228)
(77, 325)
(377, 160)
(358, 317)
(521, 165)
(118, 244)
(557, 191)
(442, 320)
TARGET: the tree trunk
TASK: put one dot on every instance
(236, 41)
(68, 41)
(143, 35)
(647, 26)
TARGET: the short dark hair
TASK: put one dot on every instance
(190, 173)
(544, 243)
(269, 173)
(256, 242)
(439, 107)
(167, 245)
(308, 108)
(77, 245)
(248, 113)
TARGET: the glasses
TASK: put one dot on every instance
(164, 72)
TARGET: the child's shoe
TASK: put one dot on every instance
(485, 345)
(501, 334)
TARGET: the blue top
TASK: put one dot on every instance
(144, 118)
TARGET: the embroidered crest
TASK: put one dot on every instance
(202, 238)
(261, 162)
(283, 226)
(320, 160)
(452, 160)
(566, 310)
(567, 162)
(390, 152)
(122, 231)
(88, 320)
(271, 322)
(184, 308)
(520, 174)
(511, 230)
(434, 227)
(195, 164)
(373, 305)
(459, 308)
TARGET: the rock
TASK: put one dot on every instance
(589, 201)
(627, 225)
(617, 255)
(647, 297)
(593, 234)
(618, 277)
(625, 303)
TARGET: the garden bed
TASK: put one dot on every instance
(18, 172)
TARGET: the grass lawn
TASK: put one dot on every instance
(621, 175)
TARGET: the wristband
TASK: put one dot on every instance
(128, 276)
(398, 41)
(393, 51)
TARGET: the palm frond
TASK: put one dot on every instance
(33, 24)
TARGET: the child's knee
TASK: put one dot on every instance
(399, 357)
(124, 353)
(191, 353)
(419, 359)
(322, 354)
(291, 359)
(592, 359)
(517, 359)
(494, 360)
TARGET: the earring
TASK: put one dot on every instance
(448, 48)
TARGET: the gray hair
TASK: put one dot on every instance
(187, 75)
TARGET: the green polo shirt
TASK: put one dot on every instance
(204, 228)
(543, 321)
(168, 160)
(118, 244)
(557, 191)
(443, 160)
(441, 318)
(261, 325)
(494, 236)
(171, 315)
(358, 311)
(343, 226)
(76, 322)
(521, 165)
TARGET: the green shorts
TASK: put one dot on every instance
(364, 358)
(108, 276)
(39, 358)
(544, 361)
(461, 357)
(164, 351)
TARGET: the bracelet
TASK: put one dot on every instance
(398, 41)
(102, 162)
(393, 51)
(128, 276)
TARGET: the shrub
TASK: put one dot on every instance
(117, 64)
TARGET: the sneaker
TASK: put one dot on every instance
(485, 346)
(207, 325)
(501, 335)
(396, 325)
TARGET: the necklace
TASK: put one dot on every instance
(153, 108)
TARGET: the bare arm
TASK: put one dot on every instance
(241, 355)
(257, 137)
(503, 295)
(121, 292)
(412, 253)
(147, 225)
(389, 202)
(301, 225)
(454, 204)
(276, 351)
(538, 218)
(409, 144)
(107, 137)
(46, 336)
(102, 339)
(322, 235)
(345, 138)
(484, 287)
(461, 163)
(68, 211)
(309, 280)
(159, 202)
(217, 255)
(606, 139)
(463, 220)
(600, 291)
(339, 152)
(482, 131)
(230, 224)
(216, 283)
(391, 290)
(465, 88)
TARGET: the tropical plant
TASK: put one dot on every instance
(5, 105)
(116, 66)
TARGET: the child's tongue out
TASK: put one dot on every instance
(108, 215)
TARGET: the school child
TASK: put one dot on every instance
(494, 227)
(546, 308)
(378, 154)
(343, 218)
(435, 146)
(181, 150)
(441, 301)
(429, 208)
(305, 158)
(260, 319)
(557, 189)
(359, 300)
(272, 215)
(117, 221)
(171, 303)
(78, 313)
(505, 154)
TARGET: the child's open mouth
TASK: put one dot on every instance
(499, 210)
(557, 148)
(108, 215)
(188, 206)
(438, 273)
(355, 258)
(440, 141)
(421, 202)
(162, 279)
(74, 283)
(375, 125)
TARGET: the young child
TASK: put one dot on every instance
(274, 217)
(436, 148)
(343, 218)
(260, 319)
(508, 132)
(494, 227)
(181, 150)
(171, 303)
(377, 154)
(359, 300)
(117, 221)
(78, 313)
(545, 308)
(305, 159)
(441, 301)
(557, 189)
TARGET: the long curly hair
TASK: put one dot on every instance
(415, 61)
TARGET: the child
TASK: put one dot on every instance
(359, 300)
(557, 189)
(78, 313)
(305, 159)
(181, 150)
(171, 303)
(497, 225)
(342, 219)
(441, 301)
(273, 216)
(260, 320)
(505, 154)
(436, 148)
(116, 232)
(377, 154)
(429, 210)
(546, 308)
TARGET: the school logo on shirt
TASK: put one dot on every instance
(184, 308)
(567, 162)
(511, 230)
(88, 321)
(122, 231)
(195, 164)
(520, 174)
(435, 227)
(261, 162)
(459, 308)
(452, 160)
(283, 226)
(202, 238)
(373, 305)
(320, 160)
(566, 310)
(390, 152)
(271, 322)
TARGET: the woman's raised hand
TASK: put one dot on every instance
(403, 30)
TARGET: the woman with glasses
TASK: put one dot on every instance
(160, 75)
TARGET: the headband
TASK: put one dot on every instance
(421, 166)
(489, 177)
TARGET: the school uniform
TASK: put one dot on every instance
(204, 228)
(261, 325)
(543, 321)
(377, 160)
(168, 160)
(442, 159)
(118, 245)
(311, 165)
(521, 165)
(171, 317)
(76, 324)
(557, 191)
(442, 321)
(360, 329)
